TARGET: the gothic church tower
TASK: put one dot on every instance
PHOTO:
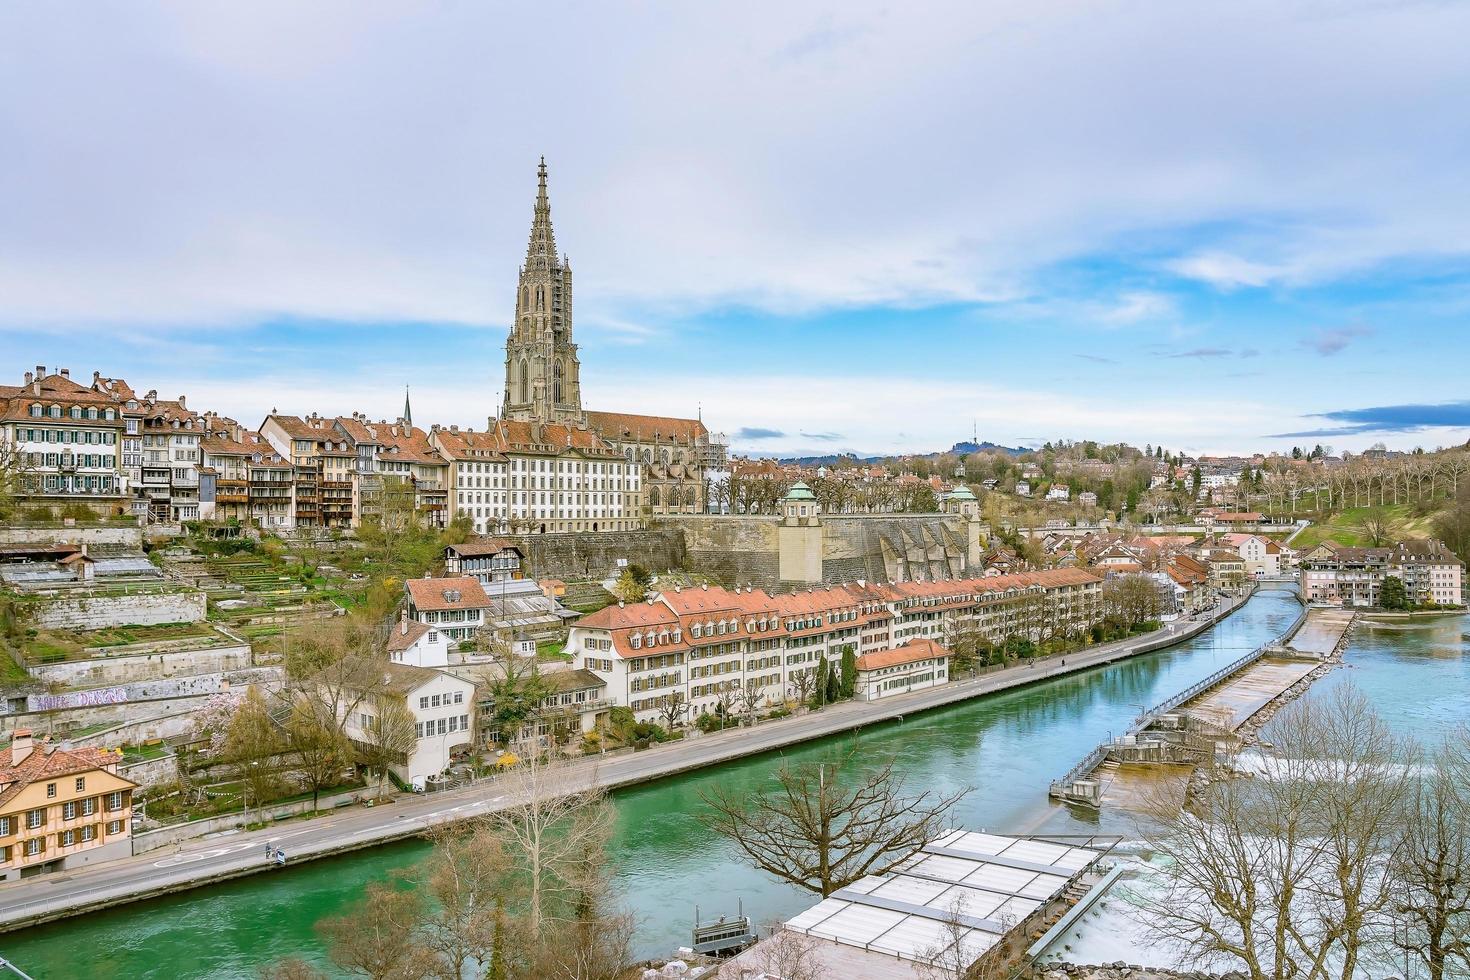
(542, 374)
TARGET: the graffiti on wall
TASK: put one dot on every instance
(76, 699)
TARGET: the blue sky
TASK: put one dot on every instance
(1219, 226)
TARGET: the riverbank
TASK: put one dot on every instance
(224, 857)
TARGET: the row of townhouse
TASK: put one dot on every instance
(119, 452)
(707, 643)
(1337, 574)
(103, 446)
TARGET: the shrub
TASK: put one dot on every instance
(648, 730)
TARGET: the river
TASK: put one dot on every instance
(1007, 746)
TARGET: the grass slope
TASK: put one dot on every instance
(1346, 526)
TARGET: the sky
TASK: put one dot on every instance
(866, 227)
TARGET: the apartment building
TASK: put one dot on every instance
(1431, 573)
(711, 643)
(540, 477)
(323, 467)
(242, 478)
(66, 440)
(61, 808)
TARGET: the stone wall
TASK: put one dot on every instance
(735, 550)
(152, 772)
(583, 557)
(128, 722)
(127, 535)
(1119, 971)
(88, 609)
(740, 550)
(109, 671)
(894, 547)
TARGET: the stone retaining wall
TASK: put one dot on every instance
(126, 535)
(1120, 971)
(108, 671)
(594, 556)
(84, 611)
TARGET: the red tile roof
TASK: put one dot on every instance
(435, 594)
(910, 652)
(48, 762)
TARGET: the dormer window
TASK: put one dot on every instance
(35, 411)
(695, 631)
(635, 641)
(678, 636)
(55, 411)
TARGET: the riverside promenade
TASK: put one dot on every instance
(235, 854)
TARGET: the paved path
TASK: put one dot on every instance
(236, 853)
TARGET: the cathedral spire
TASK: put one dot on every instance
(542, 375)
(407, 412)
(541, 251)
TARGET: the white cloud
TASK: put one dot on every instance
(1137, 307)
(194, 164)
(1225, 271)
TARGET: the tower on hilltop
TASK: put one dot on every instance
(542, 373)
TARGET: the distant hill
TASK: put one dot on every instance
(959, 449)
(967, 447)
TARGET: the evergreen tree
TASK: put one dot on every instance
(849, 671)
(1393, 594)
(834, 683)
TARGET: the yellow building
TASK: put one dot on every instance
(61, 808)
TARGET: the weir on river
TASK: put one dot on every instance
(1007, 746)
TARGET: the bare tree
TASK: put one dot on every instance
(957, 954)
(1431, 867)
(316, 749)
(389, 737)
(374, 937)
(1283, 874)
(821, 835)
(785, 954)
(674, 709)
(554, 815)
(803, 683)
(251, 744)
(291, 968)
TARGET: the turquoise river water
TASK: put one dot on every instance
(1007, 746)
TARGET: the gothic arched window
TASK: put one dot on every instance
(523, 383)
(653, 496)
(525, 297)
(558, 372)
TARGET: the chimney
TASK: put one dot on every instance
(403, 623)
(20, 746)
(181, 402)
(40, 371)
(30, 376)
(66, 372)
(96, 376)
